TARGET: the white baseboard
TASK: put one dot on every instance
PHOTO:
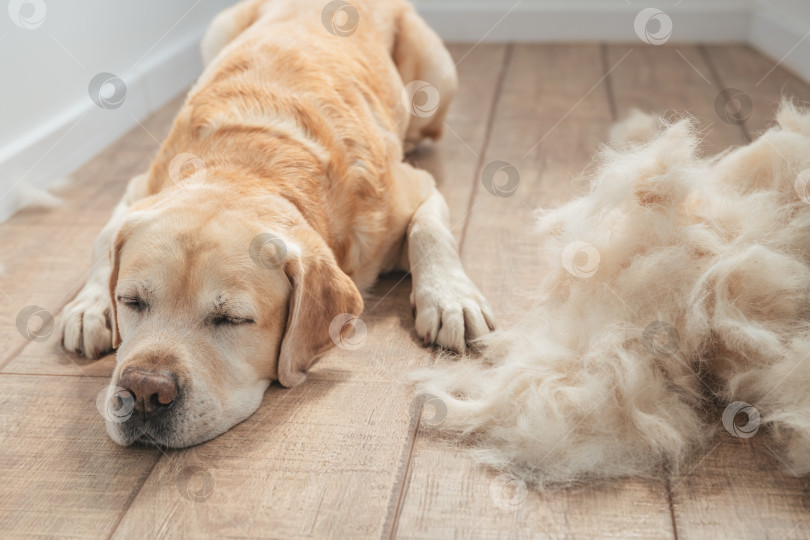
(45, 156)
(54, 150)
(708, 22)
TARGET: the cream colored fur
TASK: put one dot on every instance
(295, 136)
(713, 251)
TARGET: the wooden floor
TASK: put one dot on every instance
(343, 455)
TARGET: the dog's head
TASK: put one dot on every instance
(211, 302)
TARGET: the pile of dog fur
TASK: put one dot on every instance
(677, 285)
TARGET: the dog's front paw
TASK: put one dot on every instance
(85, 325)
(450, 311)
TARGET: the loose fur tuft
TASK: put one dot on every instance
(675, 283)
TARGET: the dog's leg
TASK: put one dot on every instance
(421, 57)
(449, 308)
(85, 326)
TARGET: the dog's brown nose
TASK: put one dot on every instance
(154, 391)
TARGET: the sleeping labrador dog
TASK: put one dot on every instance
(279, 194)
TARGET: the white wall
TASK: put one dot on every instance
(583, 20)
(48, 123)
(584, 4)
(781, 29)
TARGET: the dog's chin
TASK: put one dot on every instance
(171, 432)
(129, 433)
(156, 434)
(168, 431)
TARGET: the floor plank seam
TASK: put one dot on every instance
(75, 375)
(133, 496)
(506, 60)
(14, 354)
(671, 502)
(496, 97)
(304, 483)
(60, 306)
(719, 82)
(405, 477)
(611, 96)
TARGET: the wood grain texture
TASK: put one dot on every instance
(340, 456)
(61, 474)
(552, 113)
(738, 488)
(318, 461)
(673, 81)
(46, 253)
(759, 78)
(449, 495)
(454, 160)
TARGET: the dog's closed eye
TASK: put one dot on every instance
(222, 319)
(135, 303)
(229, 313)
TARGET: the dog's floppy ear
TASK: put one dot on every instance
(320, 292)
(119, 238)
(115, 263)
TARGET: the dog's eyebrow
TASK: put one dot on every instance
(140, 290)
(223, 305)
